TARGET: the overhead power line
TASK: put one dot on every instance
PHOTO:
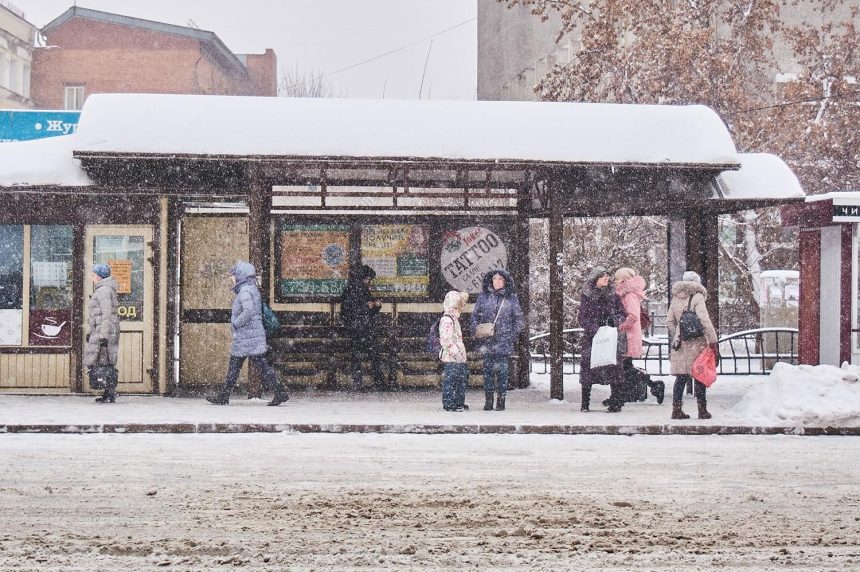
(388, 53)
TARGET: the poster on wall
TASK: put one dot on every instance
(468, 254)
(314, 259)
(121, 272)
(398, 254)
(11, 325)
(50, 328)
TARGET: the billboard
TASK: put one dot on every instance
(26, 125)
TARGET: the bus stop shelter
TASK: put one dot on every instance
(431, 194)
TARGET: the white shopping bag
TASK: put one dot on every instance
(604, 347)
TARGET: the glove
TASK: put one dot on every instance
(716, 348)
(103, 342)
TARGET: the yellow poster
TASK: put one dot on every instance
(398, 254)
(121, 272)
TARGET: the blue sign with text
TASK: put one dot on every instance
(26, 125)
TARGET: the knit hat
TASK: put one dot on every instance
(101, 270)
(690, 276)
(624, 273)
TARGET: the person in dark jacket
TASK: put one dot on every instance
(359, 311)
(497, 303)
(249, 336)
(600, 306)
(104, 325)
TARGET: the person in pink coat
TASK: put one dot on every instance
(630, 287)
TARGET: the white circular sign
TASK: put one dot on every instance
(468, 254)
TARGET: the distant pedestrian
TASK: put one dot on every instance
(104, 326)
(497, 305)
(455, 370)
(689, 293)
(359, 311)
(600, 306)
(630, 287)
(249, 336)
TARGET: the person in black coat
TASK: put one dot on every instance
(359, 311)
(600, 306)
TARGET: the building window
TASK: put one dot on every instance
(38, 313)
(74, 97)
(4, 70)
(14, 76)
(26, 80)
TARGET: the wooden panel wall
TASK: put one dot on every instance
(34, 371)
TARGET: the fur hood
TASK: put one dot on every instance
(487, 285)
(634, 284)
(682, 289)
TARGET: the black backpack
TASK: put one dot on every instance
(690, 327)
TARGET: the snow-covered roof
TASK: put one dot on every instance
(761, 176)
(575, 133)
(835, 196)
(41, 162)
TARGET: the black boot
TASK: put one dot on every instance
(488, 401)
(220, 398)
(615, 405)
(677, 412)
(658, 390)
(108, 396)
(280, 396)
(500, 402)
(703, 411)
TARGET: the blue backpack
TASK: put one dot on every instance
(434, 345)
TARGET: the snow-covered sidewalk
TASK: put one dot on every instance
(802, 400)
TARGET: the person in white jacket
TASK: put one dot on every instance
(455, 370)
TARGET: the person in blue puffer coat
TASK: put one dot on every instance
(497, 298)
(249, 336)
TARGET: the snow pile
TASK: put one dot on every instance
(41, 162)
(805, 395)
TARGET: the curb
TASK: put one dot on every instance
(626, 430)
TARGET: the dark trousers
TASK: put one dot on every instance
(361, 349)
(678, 390)
(454, 379)
(270, 376)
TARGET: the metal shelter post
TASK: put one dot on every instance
(259, 223)
(703, 254)
(556, 293)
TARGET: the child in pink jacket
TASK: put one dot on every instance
(455, 370)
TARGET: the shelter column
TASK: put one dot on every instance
(521, 271)
(556, 293)
(259, 244)
(703, 255)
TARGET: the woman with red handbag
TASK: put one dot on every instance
(690, 333)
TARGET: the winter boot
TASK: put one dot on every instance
(108, 396)
(677, 412)
(703, 411)
(280, 396)
(615, 405)
(220, 398)
(658, 390)
(500, 402)
(488, 401)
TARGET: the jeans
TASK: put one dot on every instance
(495, 374)
(678, 390)
(454, 379)
(270, 376)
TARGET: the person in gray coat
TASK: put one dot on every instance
(689, 292)
(249, 336)
(104, 324)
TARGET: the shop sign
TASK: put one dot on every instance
(26, 125)
(50, 328)
(398, 254)
(314, 259)
(468, 254)
(846, 212)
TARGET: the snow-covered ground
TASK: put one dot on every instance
(428, 502)
(804, 396)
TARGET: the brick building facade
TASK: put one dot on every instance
(88, 51)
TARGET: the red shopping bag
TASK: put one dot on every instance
(704, 368)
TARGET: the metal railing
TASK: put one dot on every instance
(749, 352)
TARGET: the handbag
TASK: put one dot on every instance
(704, 368)
(103, 374)
(644, 319)
(604, 347)
(488, 329)
(689, 326)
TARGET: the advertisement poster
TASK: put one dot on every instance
(314, 259)
(398, 254)
(11, 324)
(121, 272)
(50, 328)
(468, 254)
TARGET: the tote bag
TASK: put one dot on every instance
(604, 347)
